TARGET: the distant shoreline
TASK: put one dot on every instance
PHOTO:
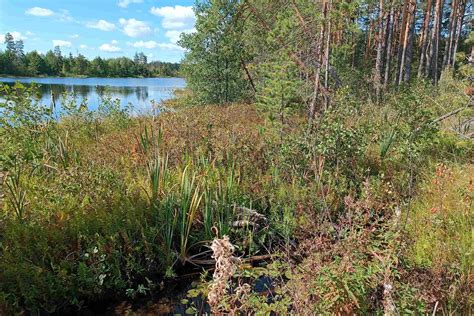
(85, 77)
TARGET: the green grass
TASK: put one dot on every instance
(440, 228)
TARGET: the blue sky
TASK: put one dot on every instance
(106, 28)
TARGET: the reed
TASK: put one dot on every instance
(16, 192)
(190, 201)
(158, 175)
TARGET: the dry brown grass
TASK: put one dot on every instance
(216, 131)
(231, 129)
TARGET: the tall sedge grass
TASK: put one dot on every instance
(190, 201)
(168, 215)
(158, 174)
(60, 149)
(220, 195)
(150, 141)
(17, 194)
(162, 205)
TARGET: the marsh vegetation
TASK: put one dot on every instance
(300, 172)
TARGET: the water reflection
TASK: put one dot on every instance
(138, 92)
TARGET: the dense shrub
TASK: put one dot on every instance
(100, 205)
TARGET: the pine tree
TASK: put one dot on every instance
(10, 55)
(432, 67)
(215, 53)
(425, 39)
(10, 42)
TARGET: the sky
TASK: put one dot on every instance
(106, 28)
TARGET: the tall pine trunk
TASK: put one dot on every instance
(368, 45)
(410, 38)
(434, 51)
(460, 20)
(425, 39)
(378, 60)
(327, 52)
(451, 34)
(390, 27)
(401, 41)
(405, 58)
(319, 57)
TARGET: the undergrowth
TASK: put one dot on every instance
(102, 205)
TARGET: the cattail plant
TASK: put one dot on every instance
(150, 141)
(190, 201)
(158, 174)
(16, 193)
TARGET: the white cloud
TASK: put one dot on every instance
(114, 42)
(86, 47)
(170, 46)
(142, 44)
(17, 36)
(102, 25)
(125, 3)
(37, 11)
(109, 48)
(74, 36)
(64, 16)
(174, 35)
(153, 45)
(134, 28)
(62, 43)
(175, 18)
(61, 15)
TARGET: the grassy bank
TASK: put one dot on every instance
(101, 205)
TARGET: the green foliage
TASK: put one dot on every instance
(22, 124)
(38, 150)
(97, 202)
(190, 200)
(101, 205)
(440, 228)
(14, 62)
(214, 57)
(279, 88)
(279, 91)
(74, 230)
(17, 195)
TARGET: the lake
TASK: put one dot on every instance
(136, 91)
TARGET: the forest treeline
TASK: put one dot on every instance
(281, 52)
(14, 61)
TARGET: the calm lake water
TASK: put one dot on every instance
(136, 91)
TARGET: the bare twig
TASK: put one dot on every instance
(448, 115)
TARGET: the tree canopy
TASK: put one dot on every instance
(14, 61)
(263, 49)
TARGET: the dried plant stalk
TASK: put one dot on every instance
(226, 264)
